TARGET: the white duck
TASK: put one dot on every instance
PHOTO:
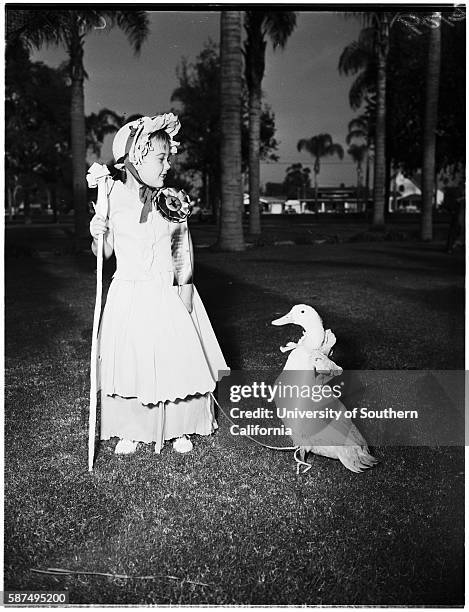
(339, 439)
(313, 348)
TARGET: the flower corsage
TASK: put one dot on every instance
(173, 205)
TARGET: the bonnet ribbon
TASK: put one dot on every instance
(145, 193)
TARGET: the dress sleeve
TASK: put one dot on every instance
(191, 254)
(110, 235)
(181, 252)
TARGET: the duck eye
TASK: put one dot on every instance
(302, 312)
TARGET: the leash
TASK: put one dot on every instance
(250, 437)
(297, 449)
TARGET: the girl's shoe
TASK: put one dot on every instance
(182, 445)
(125, 447)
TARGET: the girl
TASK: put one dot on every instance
(159, 359)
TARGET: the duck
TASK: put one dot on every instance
(314, 347)
(340, 438)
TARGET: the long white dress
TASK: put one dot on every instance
(157, 362)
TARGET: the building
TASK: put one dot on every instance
(330, 200)
(406, 195)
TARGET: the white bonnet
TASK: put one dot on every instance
(138, 132)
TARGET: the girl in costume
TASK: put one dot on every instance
(159, 359)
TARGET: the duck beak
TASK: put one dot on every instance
(283, 320)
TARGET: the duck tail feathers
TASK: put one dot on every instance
(356, 458)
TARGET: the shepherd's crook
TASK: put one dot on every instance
(97, 177)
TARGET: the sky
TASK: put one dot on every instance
(301, 84)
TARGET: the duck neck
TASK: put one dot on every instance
(308, 333)
(310, 338)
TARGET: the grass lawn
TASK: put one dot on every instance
(231, 522)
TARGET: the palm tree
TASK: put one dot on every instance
(231, 223)
(358, 152)
(368, 56)
(359, 57)
(429, 127)
(259, 25)
(361, 131)
(69, 29)
(320, 146)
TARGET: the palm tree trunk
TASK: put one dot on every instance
(367, 177)
(78, 137)
(79, 160)
(315, 191)
(316, 169)
(359, 185)
(254, 165)
(429, 130)
(231, 227)
(380, 147)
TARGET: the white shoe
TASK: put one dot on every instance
(125, 447)
(182, 445)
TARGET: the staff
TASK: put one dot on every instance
(97, 176)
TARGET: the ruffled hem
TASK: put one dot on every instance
(153, 400)
(127, 418)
